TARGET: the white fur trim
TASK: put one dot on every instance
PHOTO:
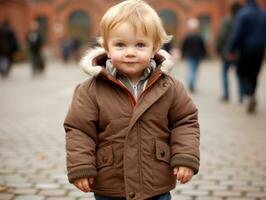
(86, 61)
(168, 63)
(94, 70)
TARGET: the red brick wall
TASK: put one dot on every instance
(20, 14)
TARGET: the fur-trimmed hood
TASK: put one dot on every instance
(94, 59)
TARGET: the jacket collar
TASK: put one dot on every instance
(94, 61)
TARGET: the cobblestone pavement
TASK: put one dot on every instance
(32, 157)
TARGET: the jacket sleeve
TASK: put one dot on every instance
(236, 35)
(185, 132)
(222, 36)
(81, 133)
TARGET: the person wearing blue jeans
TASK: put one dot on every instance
(193, 64)
(249, 42)
(226, 67)
(194, 50)
(226, 94)
(221, 48)
(166, 196)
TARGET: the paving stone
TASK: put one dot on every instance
(227, 193)
(29, 197)
(6, 196)
(183, 197)
(242, 198)
(78, 193)
(233, 164)
(18, 185)
(213, 187)
(6, 171)
(233, 183)
(47, 186)
(260, 183)
(61, 198)
(195, 193)
(256, 194)
(53, 193)
(208, 198)
(246, 188)
(68, 186)
(4, 188)
(24, 191)
(89, 198)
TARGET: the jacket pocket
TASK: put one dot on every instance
(107, 178)
(162, 151)
(105, 157)
(162, 172)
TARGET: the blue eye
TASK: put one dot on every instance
(120, 44)
(140, 45)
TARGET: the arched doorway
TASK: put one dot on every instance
(43, 27)
(205, 27)
(79, 26)
(170, 22)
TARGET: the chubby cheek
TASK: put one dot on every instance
(115, 59)
(145, 60)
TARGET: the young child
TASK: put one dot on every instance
(131, 130)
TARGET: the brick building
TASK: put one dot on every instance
(80, 18)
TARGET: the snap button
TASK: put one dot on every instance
(104, 159)
(164, 84)
(132, 195)
(162, 154)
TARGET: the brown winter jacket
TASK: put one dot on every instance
(130, 147)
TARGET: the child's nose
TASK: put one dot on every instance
(130, 51)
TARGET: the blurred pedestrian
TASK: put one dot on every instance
(194, 50)
(8, 47)
(35, 45)
(248, 39)
(76, 44)
(66, 48)
(221, 47)
(131, 130)
(168, 46)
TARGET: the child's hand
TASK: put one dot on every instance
(84, 184)
(184, 174)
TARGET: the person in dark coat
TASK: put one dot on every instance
(249, 40)
(35, 44)
(8, 47)
(221, 45)
(193, 48)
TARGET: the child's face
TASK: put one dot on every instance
(130, 51)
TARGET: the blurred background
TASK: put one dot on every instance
(79, 19)
(41, 42)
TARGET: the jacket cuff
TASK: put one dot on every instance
(81, 173)
(185, 160)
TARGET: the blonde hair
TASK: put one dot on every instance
(140, 15)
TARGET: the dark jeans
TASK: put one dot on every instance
(248, 68)
(5, 65)
(225, 71)
(166, 196)
(226, 67)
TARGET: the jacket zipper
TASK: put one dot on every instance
(151, 83)
(132, 99)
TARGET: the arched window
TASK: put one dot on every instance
(205, 27)
(170, 23)
(79, 26)
(43, 27)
